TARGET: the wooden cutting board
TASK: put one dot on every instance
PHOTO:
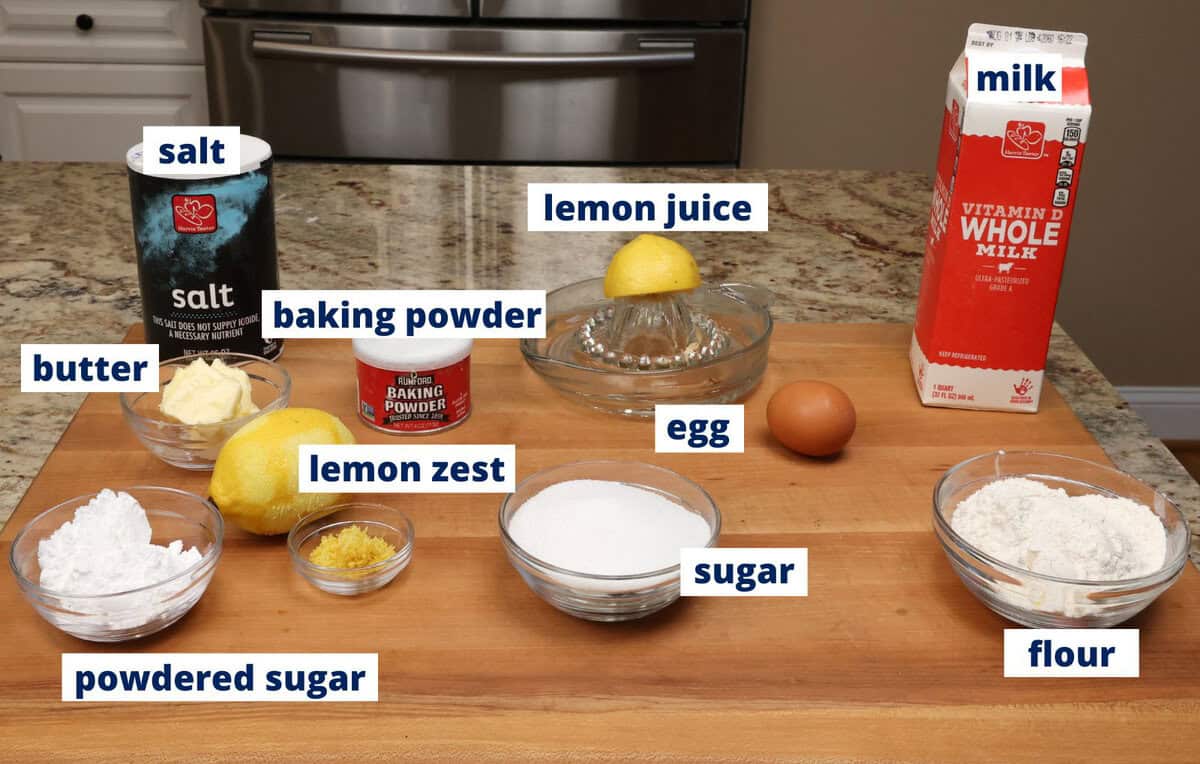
(888, 658)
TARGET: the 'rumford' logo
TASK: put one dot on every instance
(1014, 77)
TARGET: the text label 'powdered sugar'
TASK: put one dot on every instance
(749, 572)
(220, 677)
(367, 313)
(440, 468)
(647, 207)
(89, 368)
(1055, 653)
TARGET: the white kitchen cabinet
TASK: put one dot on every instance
(79, 78)
(130, 31)
(92, 112)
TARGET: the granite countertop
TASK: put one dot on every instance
(843, 246)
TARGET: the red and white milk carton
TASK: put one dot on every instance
(1013, 135)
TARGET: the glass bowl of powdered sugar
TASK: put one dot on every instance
(600, 540)
(1053, 541)
(118, 565)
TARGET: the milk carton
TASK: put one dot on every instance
(1012, 142)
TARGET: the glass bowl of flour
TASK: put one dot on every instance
(118, 564)
(1052, 541)
(600, 540)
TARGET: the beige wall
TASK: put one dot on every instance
(860, 84)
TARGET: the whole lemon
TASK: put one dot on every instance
(650, 264)
(255, 482)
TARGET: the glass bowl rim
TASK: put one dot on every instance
(403, 525)
(214, 551)
(528, 558)
(284, 392)
(1170, 568)
(532, 356)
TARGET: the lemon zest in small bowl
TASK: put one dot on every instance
(351, 547)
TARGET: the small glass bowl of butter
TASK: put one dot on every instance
(202, 400)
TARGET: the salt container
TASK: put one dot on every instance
(205, 252)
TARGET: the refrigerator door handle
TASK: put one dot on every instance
(678, 54)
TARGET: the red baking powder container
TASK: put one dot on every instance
(413, 386)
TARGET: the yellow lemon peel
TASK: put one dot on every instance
(650, 264)
(255, 481)
(351, 547)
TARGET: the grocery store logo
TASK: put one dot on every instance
(1023, 140)
(1015, 77)
(1021, 391)
(195, 214)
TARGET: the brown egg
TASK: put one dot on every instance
(811, 417)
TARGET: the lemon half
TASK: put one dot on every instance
(650, 264)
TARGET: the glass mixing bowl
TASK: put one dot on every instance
(195, 446)
(1042, 601)
(392, 525)
(173, 515)
(596, 597)
(740, 310)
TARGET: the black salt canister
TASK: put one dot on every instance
(205, 251)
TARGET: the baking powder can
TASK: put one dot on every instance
(205, 251)
(413, 386)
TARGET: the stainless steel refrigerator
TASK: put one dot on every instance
(504, 81)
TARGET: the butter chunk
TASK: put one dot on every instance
(204, 394)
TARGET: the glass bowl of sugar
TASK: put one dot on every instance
(1053, 541)
(600, 540)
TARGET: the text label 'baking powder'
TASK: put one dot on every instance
(420, 313)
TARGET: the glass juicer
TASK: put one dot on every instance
(626, 354)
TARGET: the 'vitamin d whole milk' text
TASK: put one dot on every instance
(1012, 141)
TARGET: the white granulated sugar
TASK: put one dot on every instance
(606, 528)
(106, 549)
(1028, 524)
